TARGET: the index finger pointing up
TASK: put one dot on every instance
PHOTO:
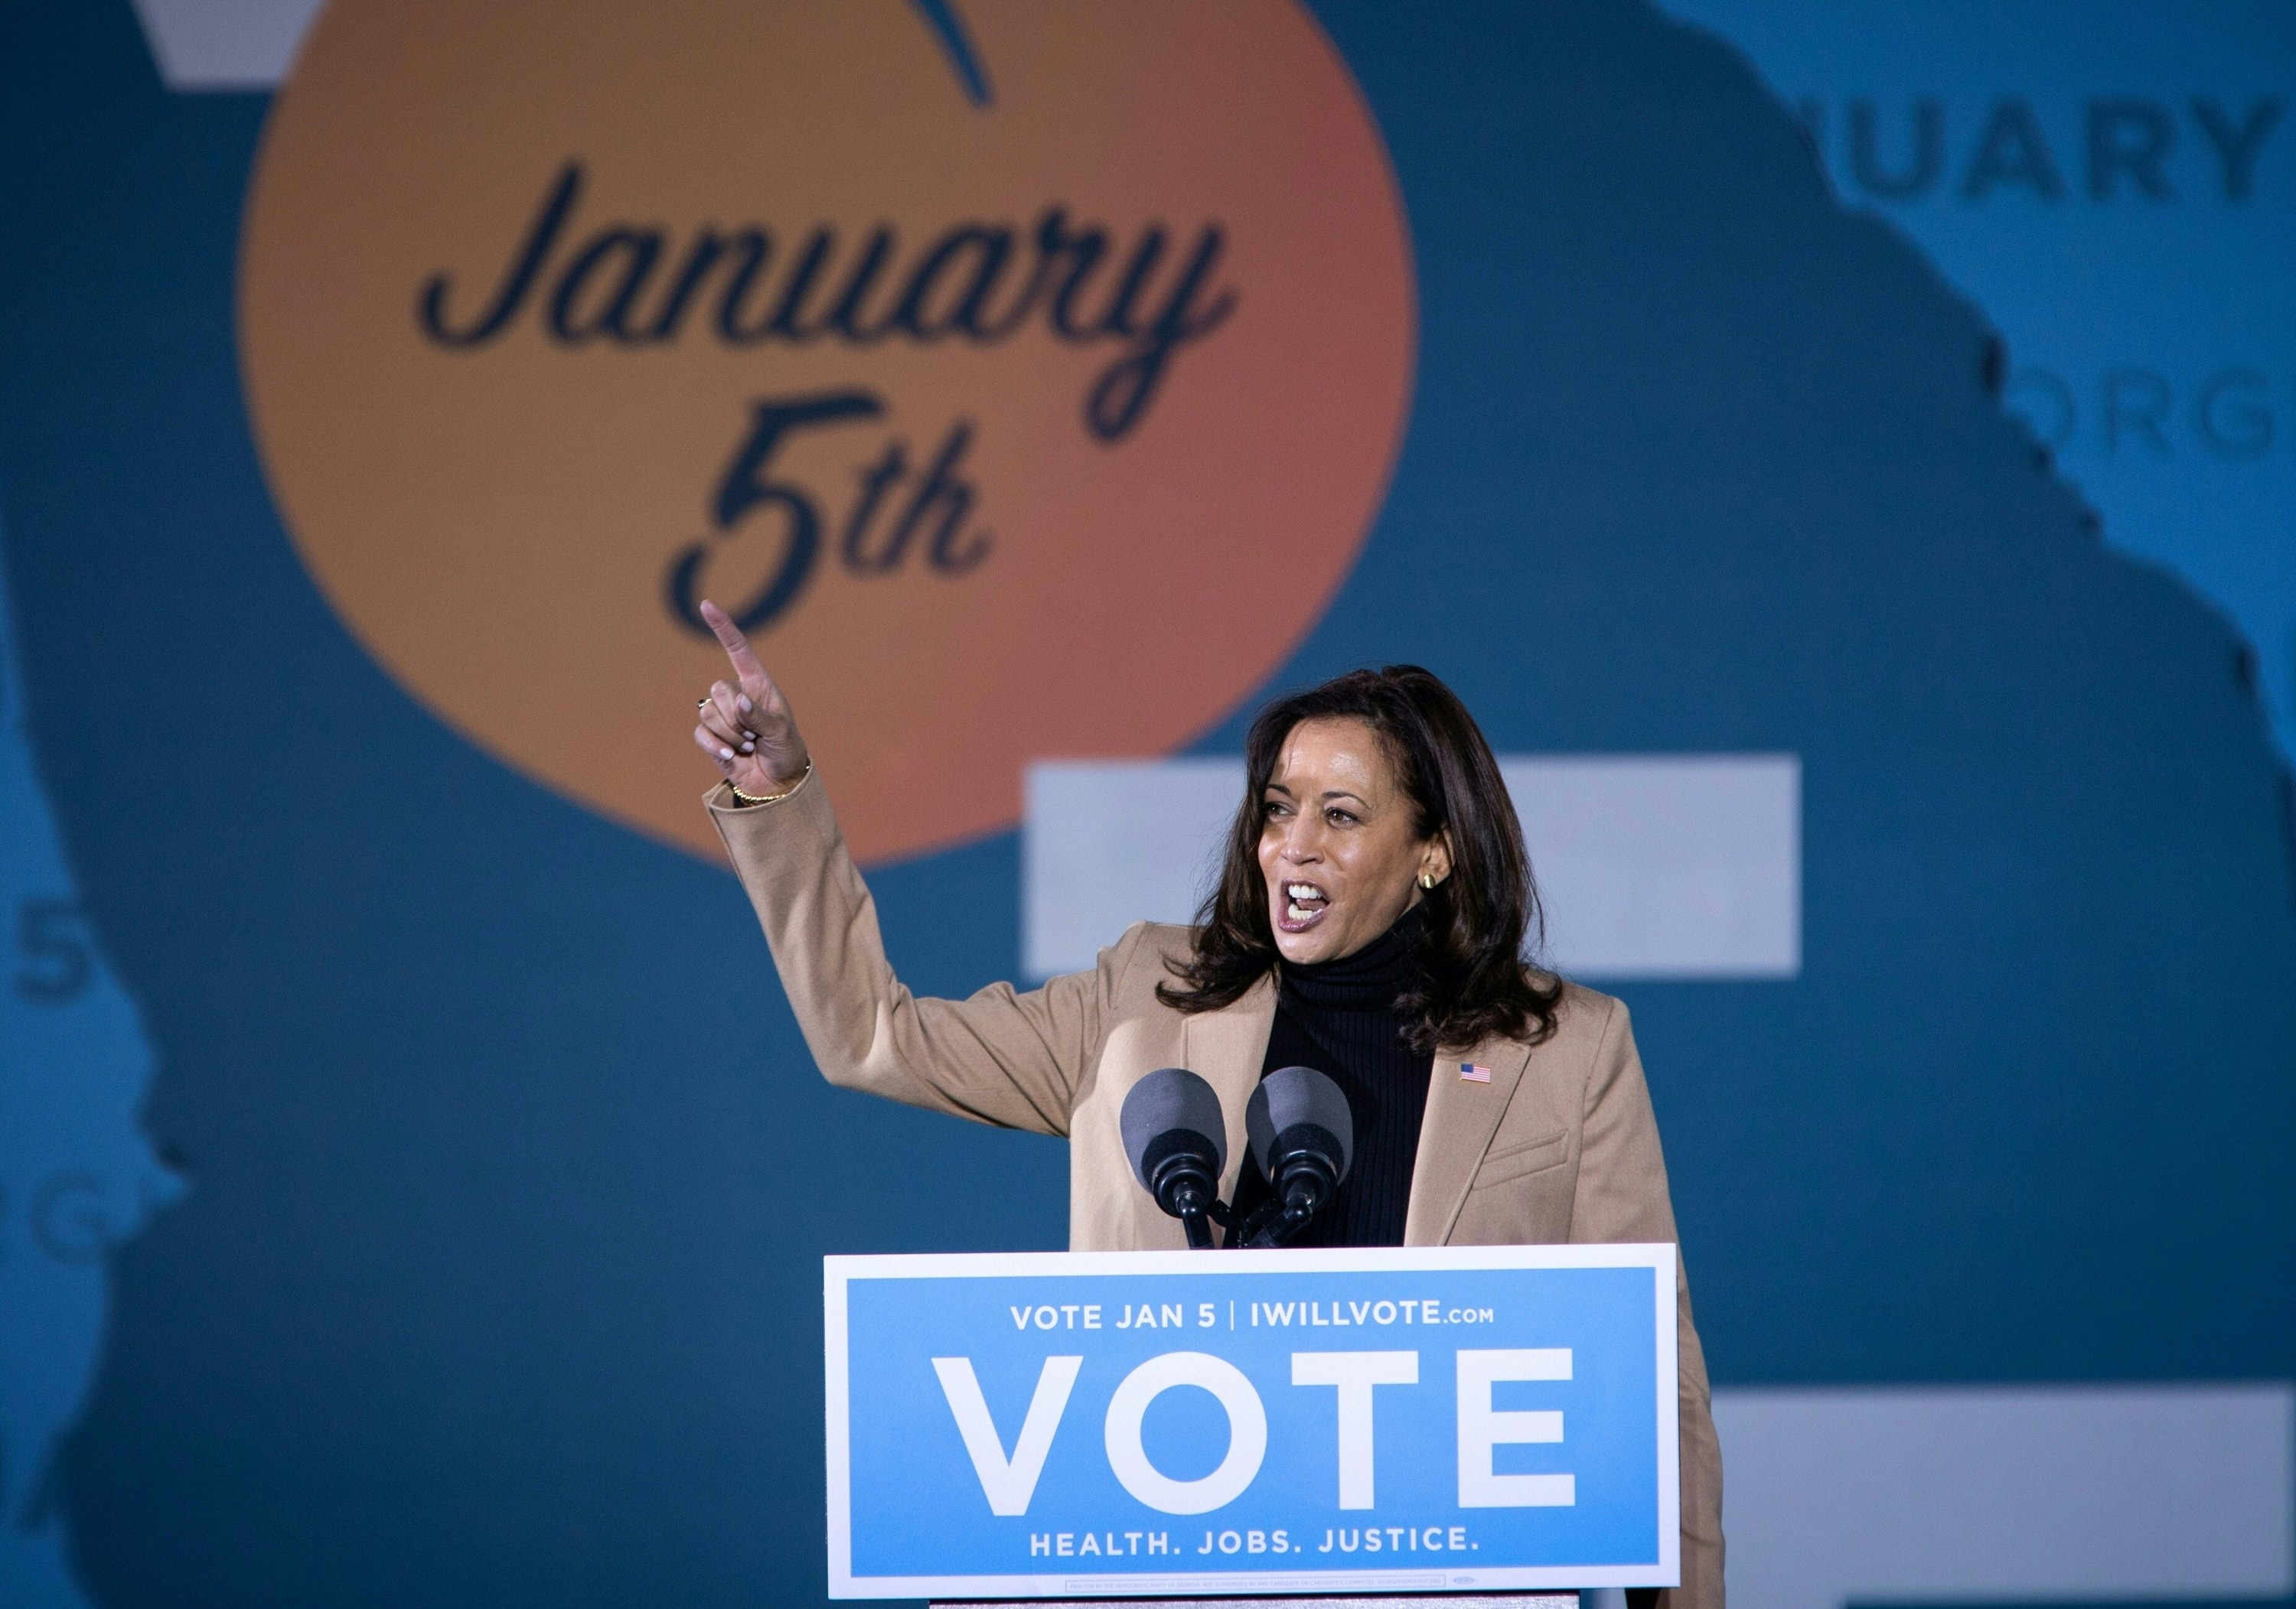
(730, 639)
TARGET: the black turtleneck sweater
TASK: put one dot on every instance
(1339, 1018)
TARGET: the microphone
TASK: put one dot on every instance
(1303, 1136)
(1176, 1140)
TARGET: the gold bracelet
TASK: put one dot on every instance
(744, 800)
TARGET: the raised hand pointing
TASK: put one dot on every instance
(746, 728)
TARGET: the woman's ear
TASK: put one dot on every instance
(1435, 860)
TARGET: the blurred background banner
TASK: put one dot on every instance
(1842, 455)
(2110, 185)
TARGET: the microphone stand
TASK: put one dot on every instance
(1197, 1214)
(1275, 1223)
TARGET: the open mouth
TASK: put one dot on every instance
(1304, 904)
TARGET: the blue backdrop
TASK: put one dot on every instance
(497, 1279)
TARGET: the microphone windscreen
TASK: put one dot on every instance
(1169, 1098)
(1290, 1096)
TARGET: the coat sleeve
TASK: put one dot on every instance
(1622, 1196)
(1003, 1057)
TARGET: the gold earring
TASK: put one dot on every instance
(1427, 881)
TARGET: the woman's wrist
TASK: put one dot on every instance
(744, 801)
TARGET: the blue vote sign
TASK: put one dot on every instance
(1204, 1423)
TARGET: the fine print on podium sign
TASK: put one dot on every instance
(1455, 1419)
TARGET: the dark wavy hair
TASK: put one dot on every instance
(1473, 979)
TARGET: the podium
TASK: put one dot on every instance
(1485, 1424)
(1401, 1601)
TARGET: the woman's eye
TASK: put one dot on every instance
(1341, 817)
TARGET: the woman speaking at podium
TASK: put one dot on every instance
(1370, 922)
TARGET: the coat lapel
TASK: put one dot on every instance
(1462, 1116)
(1225, 1048)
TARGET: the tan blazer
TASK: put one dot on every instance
(1559, 1145)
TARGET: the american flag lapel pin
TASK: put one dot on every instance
(1473, 1074)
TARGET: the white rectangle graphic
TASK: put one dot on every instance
(1997, 1494)
(1650, 866)
(223, 44)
